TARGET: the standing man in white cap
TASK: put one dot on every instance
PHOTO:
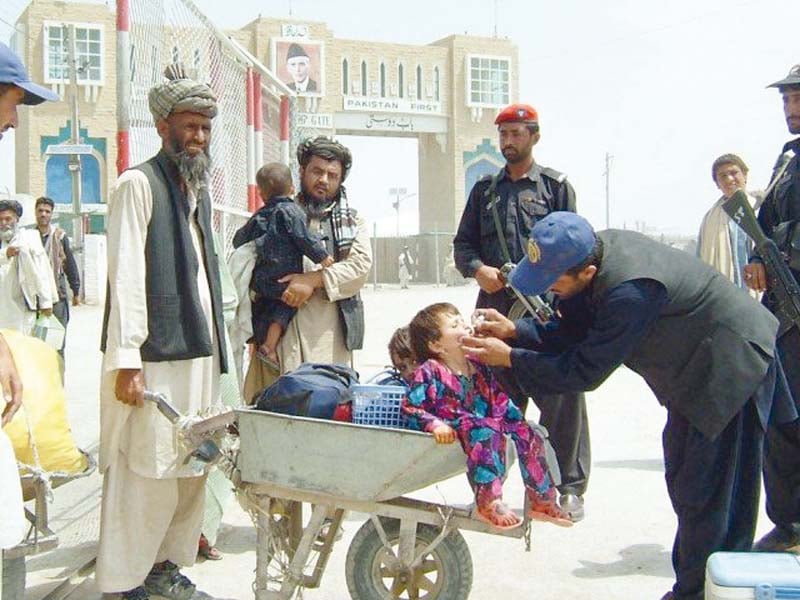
(163, 331)
(16, 88)
(779, 217)
(706, 350)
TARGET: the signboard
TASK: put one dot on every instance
(61, 149)
(391, 123)
(391, 105)
(314, 120)
(294, 30)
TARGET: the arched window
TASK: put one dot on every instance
(197, 59)
(419, 82)
(176, 55)
(345, 77)
(400, 80)
(436, 83)
(364, 78)
(383, 80)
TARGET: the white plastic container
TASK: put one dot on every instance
(753, 576)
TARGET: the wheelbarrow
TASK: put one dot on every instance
(406, 549)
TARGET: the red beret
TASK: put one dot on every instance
(517, 113)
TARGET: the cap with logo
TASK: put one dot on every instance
(792, 79)
(13, 71)
(558, 242)
(517, 113)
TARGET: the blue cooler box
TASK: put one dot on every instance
(753, 575)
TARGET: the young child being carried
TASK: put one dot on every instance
(282, 238)
(453, 397)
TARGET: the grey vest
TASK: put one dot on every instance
(176, 326)
(711, 345)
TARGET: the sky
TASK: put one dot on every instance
(663, 87)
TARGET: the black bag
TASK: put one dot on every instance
(311, 390)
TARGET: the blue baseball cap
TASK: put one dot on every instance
(558, 242)
(13, 71)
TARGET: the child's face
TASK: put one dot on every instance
(452, 329)
(405, 366)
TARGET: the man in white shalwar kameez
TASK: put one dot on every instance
(27, 284)
(16, 88)
(329, 324)
(164, 333)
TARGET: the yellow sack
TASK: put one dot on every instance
(43, 407)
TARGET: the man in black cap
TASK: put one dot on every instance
(706, 350)
(778, 217)
(298, 64)
(497, 219)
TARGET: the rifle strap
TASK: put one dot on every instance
(494, 198)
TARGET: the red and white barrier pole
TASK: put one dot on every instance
(258, 120)
(123, 85)
(252, 192)
(285, 129)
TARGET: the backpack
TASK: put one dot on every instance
(311, 390)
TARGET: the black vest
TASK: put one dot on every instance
(711, 345)
(176, 325)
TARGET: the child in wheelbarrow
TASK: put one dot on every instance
(454, 397)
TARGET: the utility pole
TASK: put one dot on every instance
(608, 194)
(496, 3)
(74, 164)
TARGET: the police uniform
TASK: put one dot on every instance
(519, 205)
(782, 444)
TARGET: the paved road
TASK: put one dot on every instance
(620, 551)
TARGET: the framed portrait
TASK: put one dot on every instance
(300, 64)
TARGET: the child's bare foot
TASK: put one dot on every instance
(498, 515)
(548, 510)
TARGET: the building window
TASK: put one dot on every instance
(364, 81)
(345, 77)
(197, 60)
(176, 55)
(488, 81)
(88, 53)
(400, 80)
(383, 80)
(419, 82)
(436, 83)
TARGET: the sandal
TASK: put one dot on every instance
(549, 511)
(206, 550)
(494, 512)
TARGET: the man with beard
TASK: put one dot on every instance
(163, 331)
(27, 286)
(329, 323)
(779, 216)
(494, 228)
(62, 261)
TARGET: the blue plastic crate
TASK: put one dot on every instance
(378, 405)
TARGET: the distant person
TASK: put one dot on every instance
(405, 267)
(27, 285)
(454, 397)
(16, 88)
(62, 260)
(721, 242)
(282, 238)
(704, 347)
(298, 63)
(501, 210)
(780, 212)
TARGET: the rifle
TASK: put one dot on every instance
(538, 308)
(782, 289)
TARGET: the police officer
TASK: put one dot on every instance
(781, 212)
(494, 228)
(705, 349)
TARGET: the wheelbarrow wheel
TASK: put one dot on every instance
(445, 573)
(13, 578)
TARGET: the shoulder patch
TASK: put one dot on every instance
(553, 174)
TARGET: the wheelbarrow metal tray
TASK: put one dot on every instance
(360, 462)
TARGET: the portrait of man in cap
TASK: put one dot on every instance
(299, 65)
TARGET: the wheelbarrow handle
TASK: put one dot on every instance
(163, 405)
